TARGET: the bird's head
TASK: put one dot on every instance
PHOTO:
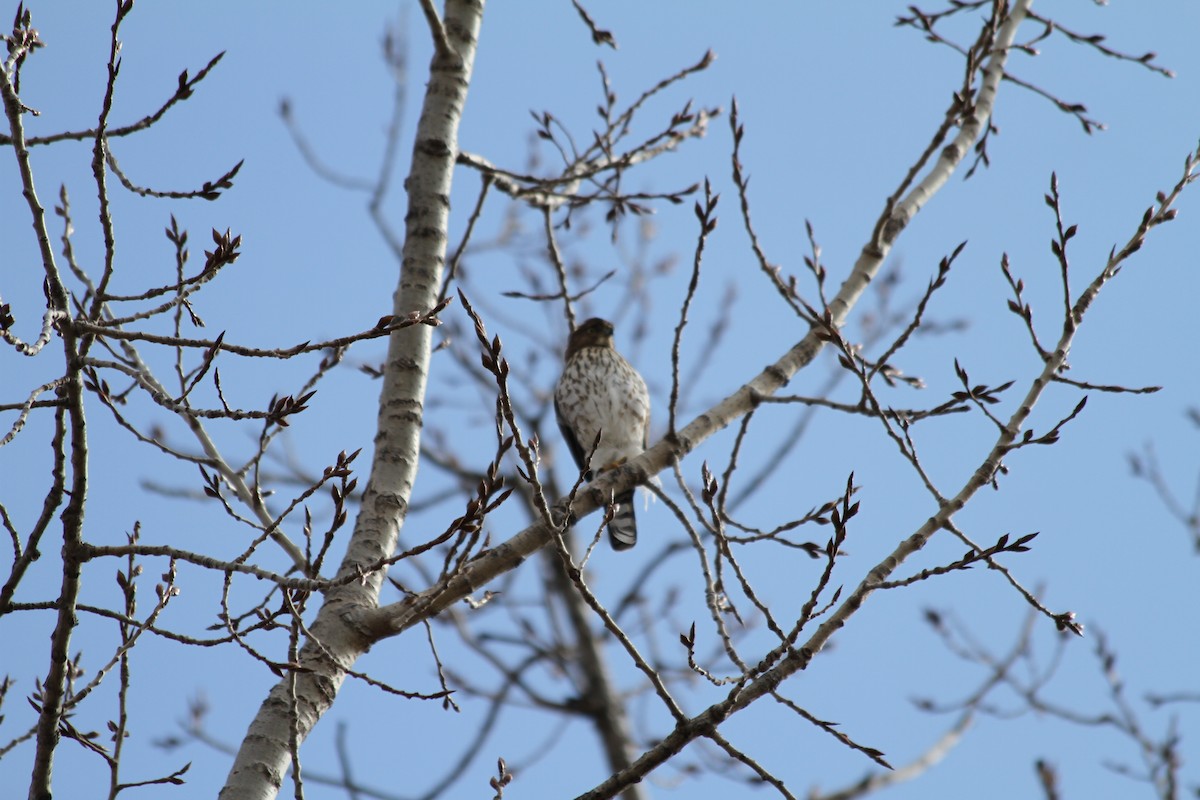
(595, 332)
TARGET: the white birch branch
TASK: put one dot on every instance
(264, 756)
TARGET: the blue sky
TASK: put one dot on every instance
(837, 102)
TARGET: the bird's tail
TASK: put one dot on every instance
(622, 529)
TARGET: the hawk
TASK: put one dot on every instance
(599, 392)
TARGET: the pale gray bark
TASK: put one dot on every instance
(264, 756)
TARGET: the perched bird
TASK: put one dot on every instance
(599, 392)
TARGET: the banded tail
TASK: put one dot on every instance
(622, 529)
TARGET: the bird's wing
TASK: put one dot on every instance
(568, 432)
